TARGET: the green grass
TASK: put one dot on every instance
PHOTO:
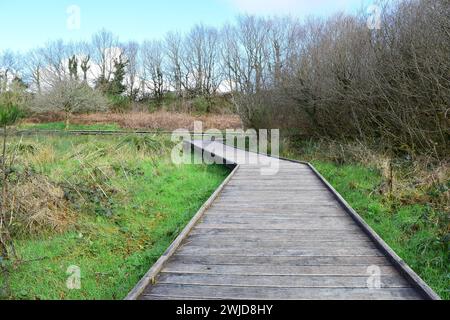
(113, 249)
(62, 126)
(409, 229)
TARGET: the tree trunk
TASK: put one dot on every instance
(67, 121)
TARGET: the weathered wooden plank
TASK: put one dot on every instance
(254, 293)
(256, 174)
(285, 193)
(268, 187)
(278, 213)
(273, 208)
(285, 197)
(279, 226)
(236, 214)
(262, 236)
(280, 251)
(280, 261)
(272, 224)
(292, 233)
(277, 270)
(155, 297)
(276, 183)
(268, 179)
(390, 281)
(222, 205)
(273, 187)
(343, 221)
(270, 198)
(273, 179)
(273, 244)
(285, 200)
(278, 217)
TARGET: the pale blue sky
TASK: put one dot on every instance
(25, 24)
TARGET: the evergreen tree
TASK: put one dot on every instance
(85, 66)
(117, 86)
(73, 68)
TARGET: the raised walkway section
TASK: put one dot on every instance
(275, 230)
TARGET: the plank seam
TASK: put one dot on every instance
(280, 287)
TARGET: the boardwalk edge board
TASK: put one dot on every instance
(412, 278)
(150, 276)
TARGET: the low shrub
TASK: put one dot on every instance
(119, 103)
(201, 105)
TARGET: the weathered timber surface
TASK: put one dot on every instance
(277, 230)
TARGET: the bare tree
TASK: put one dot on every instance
(33, 64)
(329, 77)
(341, 79)
(55, 56)
(231, 59)
(131, 51)
(174, 52)
(84, 53)
(253, 38)
(153, 63)
(10, 68)
(70, 97)
(105, 47)
(201, 60)
(85, 66)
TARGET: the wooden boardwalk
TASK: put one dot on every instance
(281, 236)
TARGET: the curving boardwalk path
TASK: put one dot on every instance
(281, 236)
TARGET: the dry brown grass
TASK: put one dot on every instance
(418, 180)
(160, 120)
(43, 155)
(35, 205)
